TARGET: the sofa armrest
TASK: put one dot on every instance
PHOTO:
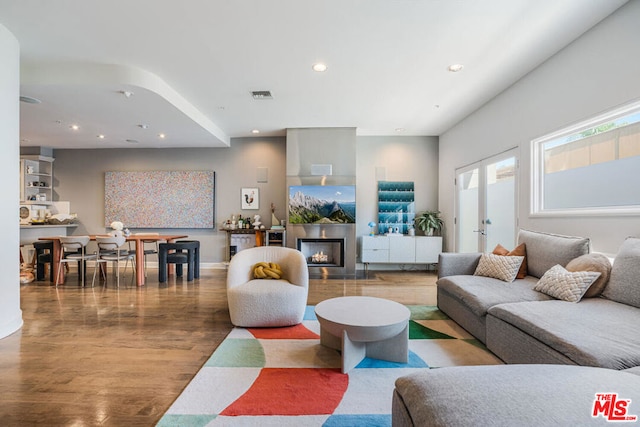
(452, 264)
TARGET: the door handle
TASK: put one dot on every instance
(480, 231)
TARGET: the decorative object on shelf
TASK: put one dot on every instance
(396, 207)
(371, 225)
(275, 222)
(25, 214)
(430, 222)
(412, 231)
(250, 198)
(256, 222)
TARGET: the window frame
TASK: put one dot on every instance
(537, 208)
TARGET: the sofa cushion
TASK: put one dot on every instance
(566, 285)
(545, 250)
(504, 268)
(479, 293)
(520, 250)
(593, 262)
(593, 332)
(624, 283)
(511, 395)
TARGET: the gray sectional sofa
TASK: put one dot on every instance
(522, 325)
(532, 331)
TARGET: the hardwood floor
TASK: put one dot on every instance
(120, 357)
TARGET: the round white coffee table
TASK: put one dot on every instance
(364, 327)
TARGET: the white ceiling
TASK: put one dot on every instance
(192, 64)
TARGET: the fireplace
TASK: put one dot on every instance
(322, 252)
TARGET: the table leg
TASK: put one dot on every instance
(55, 262)
(139, 262)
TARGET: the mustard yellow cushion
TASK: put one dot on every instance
(267, 270)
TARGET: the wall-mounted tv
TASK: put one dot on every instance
(322, 204)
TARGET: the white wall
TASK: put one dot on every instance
(597, 72)
(10, 313)
(401, 158)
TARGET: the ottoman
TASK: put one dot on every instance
(516, 395)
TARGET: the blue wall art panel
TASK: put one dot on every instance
(396, 207)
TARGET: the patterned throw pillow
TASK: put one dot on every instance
(499, 267)
(519, 250)
(569, 286)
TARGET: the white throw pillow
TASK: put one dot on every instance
(569, 286)
(499, 267)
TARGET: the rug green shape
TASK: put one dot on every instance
(426, 312)
(420, 332)
(174, 420)
(238, 353)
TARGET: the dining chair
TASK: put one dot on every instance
(110, 249)
(74, 249)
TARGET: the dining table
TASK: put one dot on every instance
(139, 240)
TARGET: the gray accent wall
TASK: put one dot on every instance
(79, 178)
(597, 72)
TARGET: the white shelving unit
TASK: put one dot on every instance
(400, 249)
(36, 179)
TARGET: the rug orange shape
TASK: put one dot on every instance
(286, 391)
(297, 332)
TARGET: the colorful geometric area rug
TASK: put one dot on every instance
(285, 377)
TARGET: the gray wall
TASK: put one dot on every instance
(79, 178)
(597, 72)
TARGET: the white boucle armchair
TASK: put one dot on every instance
(267, 303)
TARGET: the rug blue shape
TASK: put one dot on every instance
(367, 420)
(310, 313)
(414, 362)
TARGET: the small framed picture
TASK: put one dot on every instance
(250, 198)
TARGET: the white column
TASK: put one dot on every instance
(10, 313)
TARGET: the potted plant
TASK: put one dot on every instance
(429, 222)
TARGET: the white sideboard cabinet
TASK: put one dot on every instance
(400, 249)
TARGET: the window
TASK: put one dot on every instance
(590, 168)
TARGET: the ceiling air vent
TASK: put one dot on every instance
(261, 94)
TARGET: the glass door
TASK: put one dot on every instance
(486, 213)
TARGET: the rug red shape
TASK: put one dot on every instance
(297, 332)
(291, 391)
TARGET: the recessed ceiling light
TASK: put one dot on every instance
(162, 136)
(455, 68)
(74, 127)
(255, 131)
(132, 141)
(319, 67)
(400, 129)
(101, 136)
(126, 93)
(143, 126)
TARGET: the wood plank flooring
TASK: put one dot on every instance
(120, 357)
